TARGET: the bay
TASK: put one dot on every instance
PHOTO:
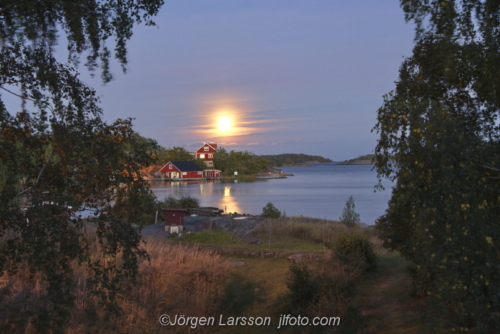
(319, 191)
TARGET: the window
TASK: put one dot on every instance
(169, 166)
(205, 148)
(202, 156)
(200, 173)
(210, 156)
(184, 173)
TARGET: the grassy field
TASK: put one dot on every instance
(214, 273)
(382, 298)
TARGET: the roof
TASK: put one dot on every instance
(212, 145)
(174, 210)
(186, 166)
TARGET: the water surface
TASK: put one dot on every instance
(319, 191)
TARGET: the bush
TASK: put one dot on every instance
(349, 216)
(270, 211)
(356, 250)
(303, 289)
(181, 202)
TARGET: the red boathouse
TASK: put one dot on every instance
(179, 170)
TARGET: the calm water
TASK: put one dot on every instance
(319, 191)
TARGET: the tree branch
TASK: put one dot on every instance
(490, 168)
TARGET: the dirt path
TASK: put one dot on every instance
(384, 302)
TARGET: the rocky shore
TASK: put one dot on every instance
(239, 224)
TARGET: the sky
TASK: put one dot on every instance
(267, 76)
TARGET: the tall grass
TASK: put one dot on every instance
(178, 279)
(302, 228)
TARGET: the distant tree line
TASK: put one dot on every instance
(245, 162)
(292, 158)
(163, 155)
(228, 162)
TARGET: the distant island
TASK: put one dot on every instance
(361, 160)
(294, 159)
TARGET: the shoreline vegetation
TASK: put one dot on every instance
(361, 160)
(248, 166)
(294, 159)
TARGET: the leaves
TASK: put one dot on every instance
(62, 168)
(270, 211)
(349, 216)
(441, 126)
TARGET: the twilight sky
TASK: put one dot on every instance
(285, 76)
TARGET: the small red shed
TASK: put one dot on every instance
(212, 173)
(174, 220)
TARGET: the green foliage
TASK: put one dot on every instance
(303, 290)
(349, 216)
(150, 146)
(323, 290)
(62, 157)
(355, 249)
(200, 163)
(270, 211)
(441, 126)
(244, 163)
(177, 154)
(180, 202)
(366, 157)
(293, 158)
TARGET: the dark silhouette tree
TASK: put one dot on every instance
(58, 157)
(440, 127)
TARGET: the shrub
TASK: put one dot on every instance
(270, 211)
(181, 202)
(303, 290)
(356, 250)
(349, 216)
(188, 202)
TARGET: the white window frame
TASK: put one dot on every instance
(202, 156)
(206, 148)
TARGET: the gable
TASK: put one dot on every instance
(166, 168)
(207, 147)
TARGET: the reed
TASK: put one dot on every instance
(177, 279)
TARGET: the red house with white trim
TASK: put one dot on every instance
(206, 153)
(178, 170)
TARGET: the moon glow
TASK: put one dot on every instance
(225, 124)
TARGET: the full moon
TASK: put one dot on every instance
(225, 124)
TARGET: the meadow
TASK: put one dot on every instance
(299, 266)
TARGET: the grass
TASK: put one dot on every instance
(387, 307)
(225, 242)
(254, 290)
(215, 237)
(187, 276)
(282, 236)
(178, 279)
